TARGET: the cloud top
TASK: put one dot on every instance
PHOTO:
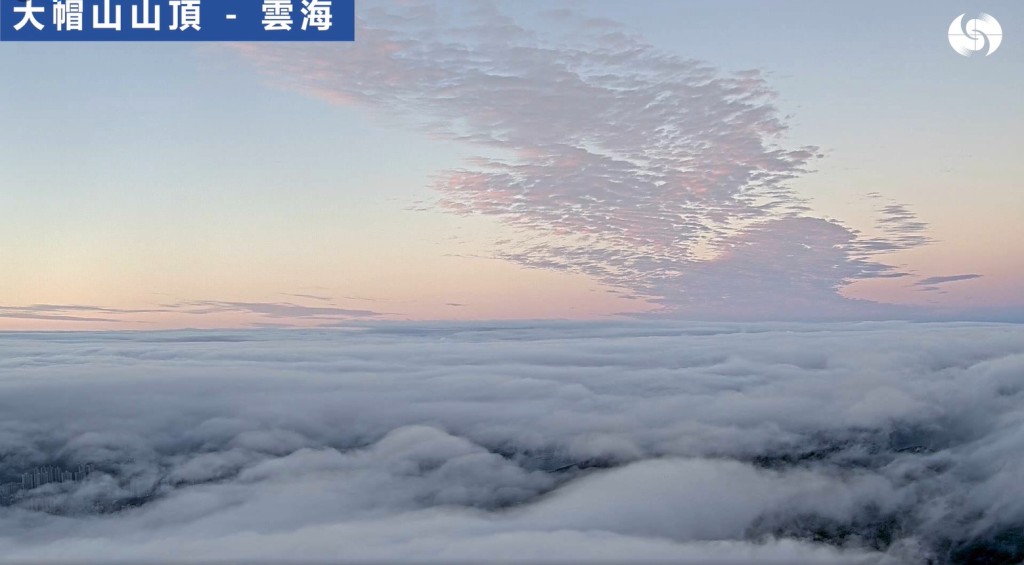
(653, 440)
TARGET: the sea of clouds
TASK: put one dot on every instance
(633, 441)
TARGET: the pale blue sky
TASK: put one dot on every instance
(137, 175)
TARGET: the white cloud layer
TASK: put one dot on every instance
(847, 443)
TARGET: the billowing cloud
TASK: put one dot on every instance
(648, 171)
(853, 443)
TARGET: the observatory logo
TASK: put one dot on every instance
(980, 34)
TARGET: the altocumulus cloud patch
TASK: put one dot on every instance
(859, 443)
(648, 171)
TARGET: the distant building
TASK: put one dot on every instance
(43, 476)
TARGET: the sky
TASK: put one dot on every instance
(521, 160)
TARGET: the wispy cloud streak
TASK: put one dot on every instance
(273, 309)
(282, 313)
(947, 279)
(70, 313)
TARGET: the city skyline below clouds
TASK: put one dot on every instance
(492, 160)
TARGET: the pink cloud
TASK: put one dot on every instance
(625, 163)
